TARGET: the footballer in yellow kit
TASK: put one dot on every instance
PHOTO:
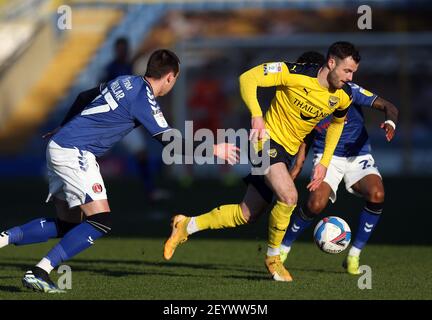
(300, 101)
(305, 94)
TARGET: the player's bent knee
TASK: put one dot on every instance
(101, 221)
(249, 214)
(315, 206)
(289, 199)
(375, 195)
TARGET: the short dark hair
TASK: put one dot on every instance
(342, 50)
(162, 62)
(311, 57)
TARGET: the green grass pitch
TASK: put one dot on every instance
(133, 268)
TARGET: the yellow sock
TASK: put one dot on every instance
(227, 216)
(278, 223)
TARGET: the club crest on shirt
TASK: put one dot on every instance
(333, 102)
(97, 188)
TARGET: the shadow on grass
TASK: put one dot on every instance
(163, 268)
(10, 289)
(316, 270)
(7, 277)
(23, 265)
(170, 269)
(264, 276)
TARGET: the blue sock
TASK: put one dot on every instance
(299, 222)
(75, 241)
(368, 220)
(35, 231)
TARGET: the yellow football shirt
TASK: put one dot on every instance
(300, 101)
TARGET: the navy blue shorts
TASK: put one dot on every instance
(277, 154)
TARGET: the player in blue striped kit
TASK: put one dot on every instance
(98, 119)
(353, 162)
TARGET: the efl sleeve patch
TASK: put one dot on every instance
(361, 96)
(366, 92)
(273, 67)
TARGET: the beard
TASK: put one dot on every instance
(334, 81)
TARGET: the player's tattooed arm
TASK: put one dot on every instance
(301, 155)
(391, 116)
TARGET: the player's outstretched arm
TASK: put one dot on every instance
(391, 116)
(226, 151)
